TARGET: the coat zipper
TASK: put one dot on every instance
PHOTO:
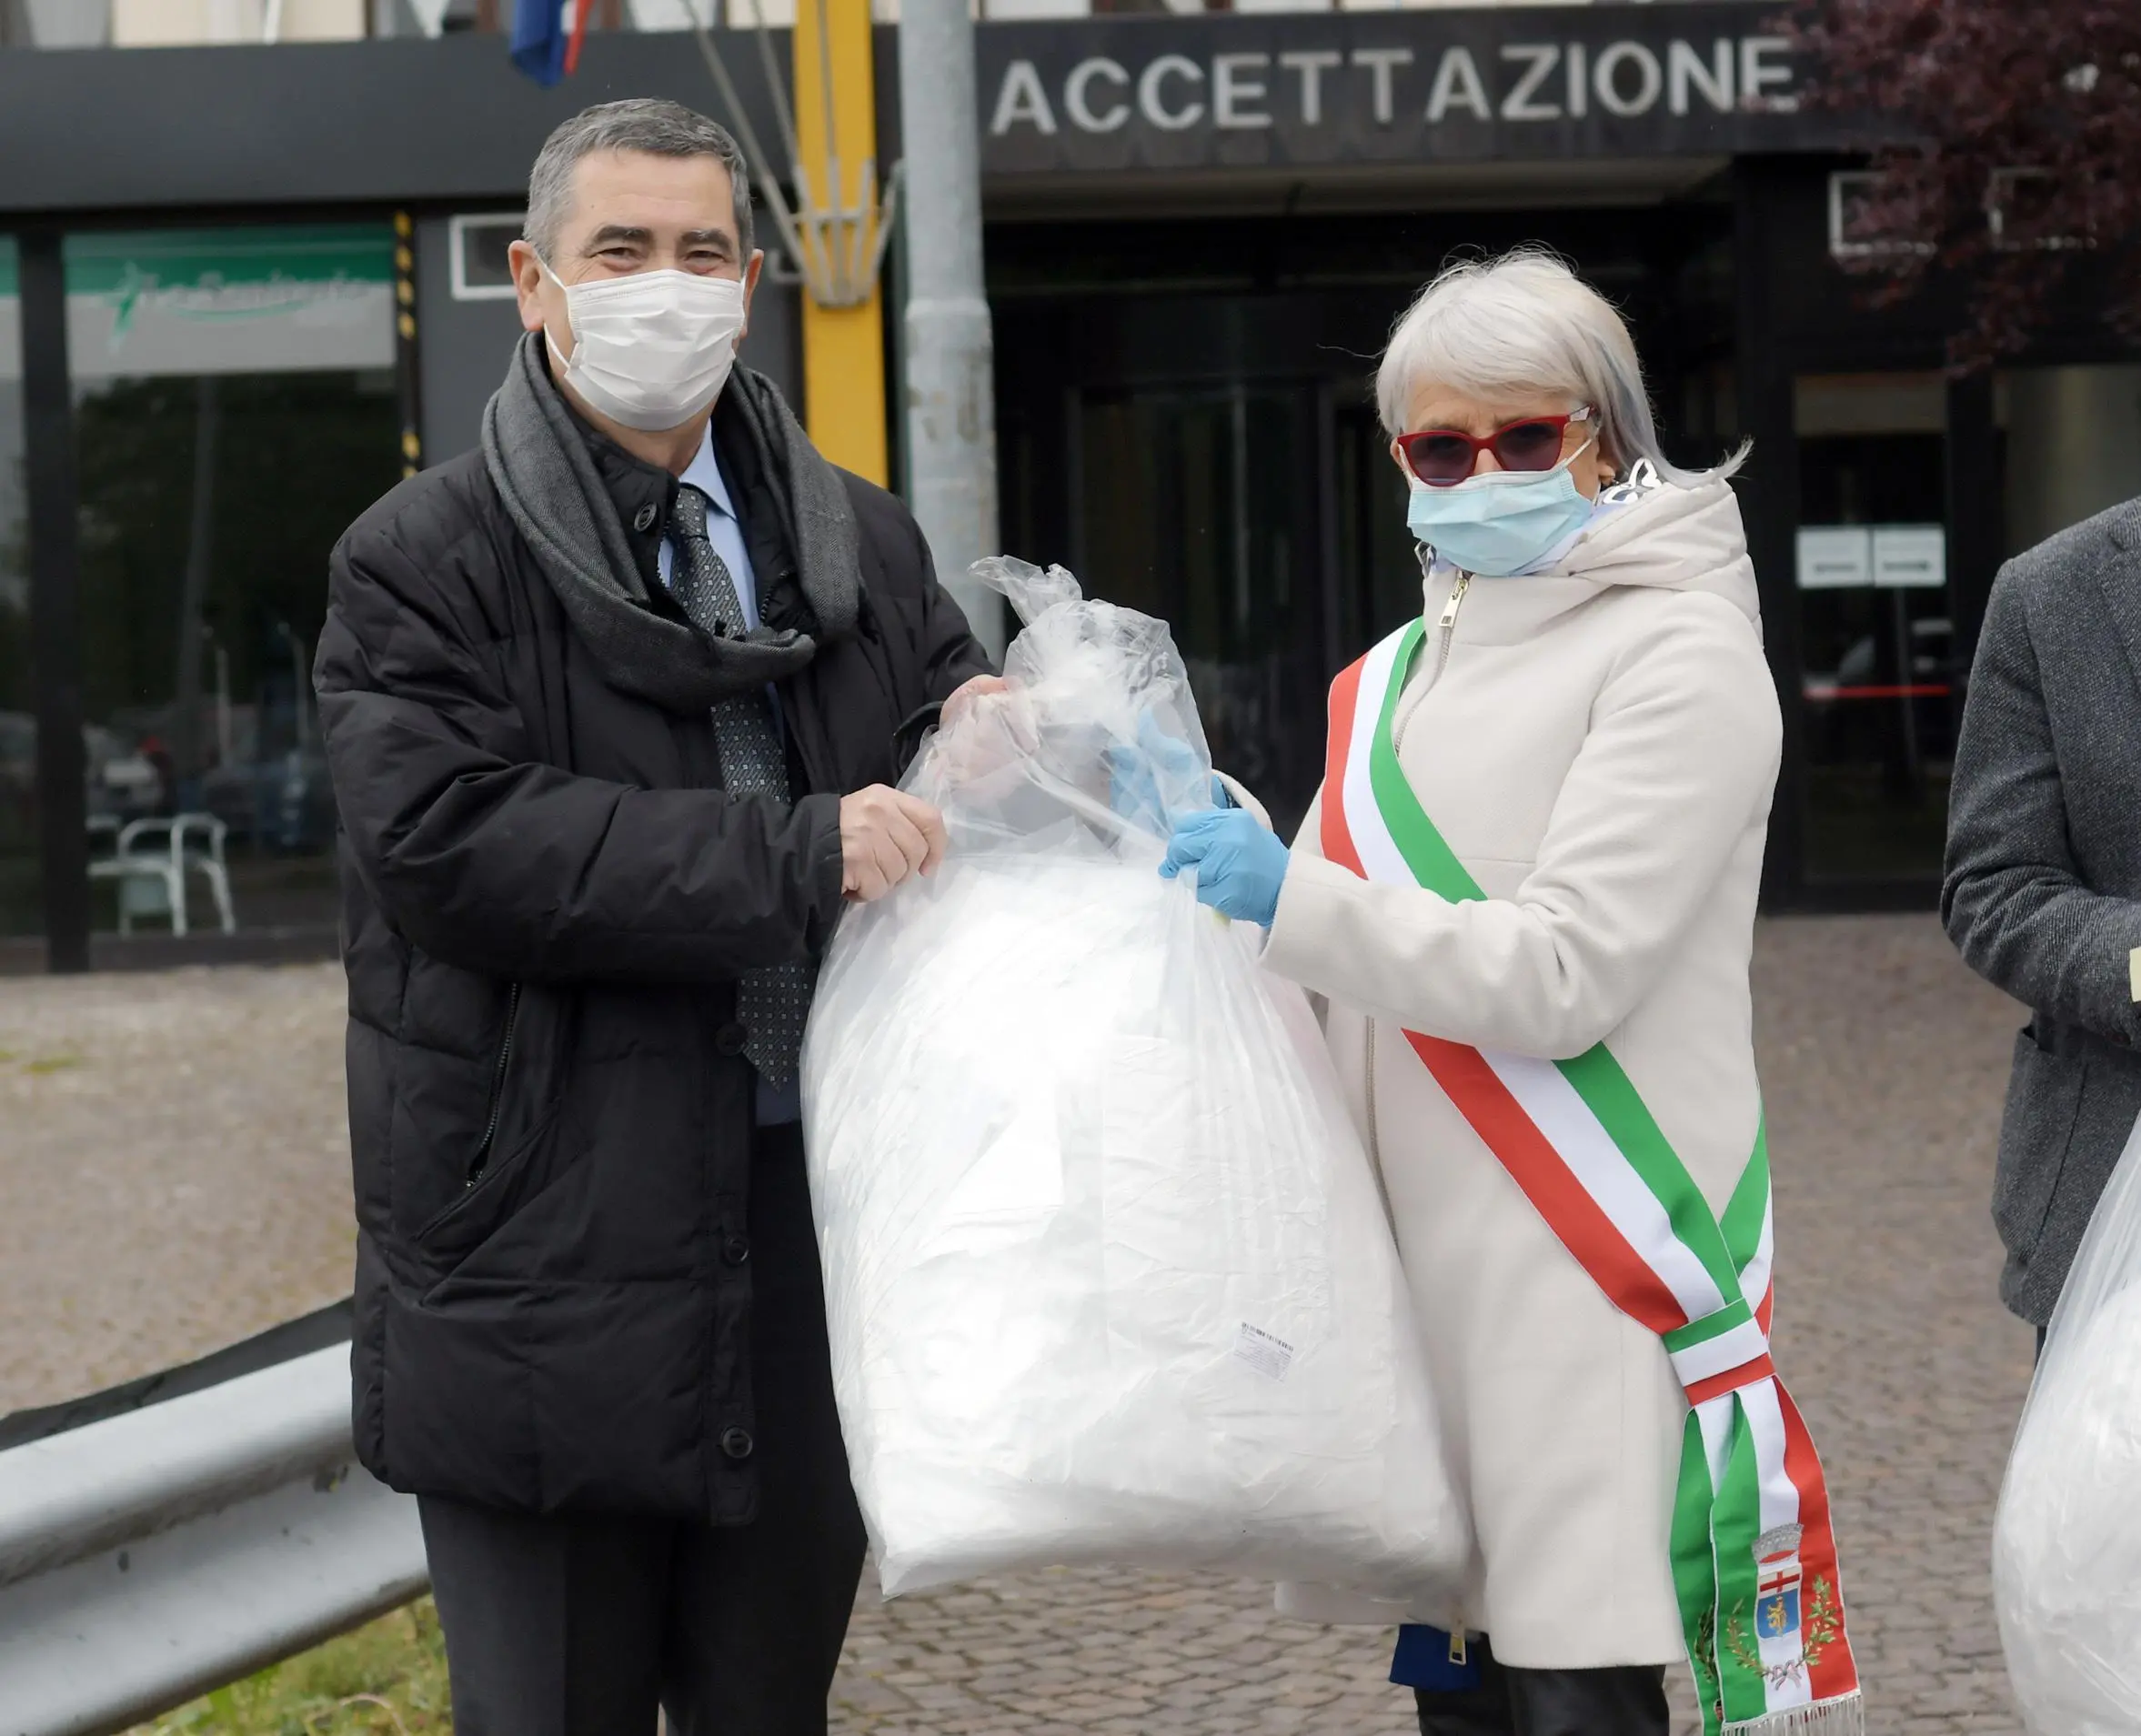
(1447, 623)
(498, 1089)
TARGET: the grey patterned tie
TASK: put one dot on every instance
(771, 1003)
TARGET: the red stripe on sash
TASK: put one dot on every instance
(1747, 1374)
(1485, 1102)
(1830, 1669)
(1338, 842)
(1553, 1189)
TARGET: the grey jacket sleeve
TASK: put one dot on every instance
(2013, 898)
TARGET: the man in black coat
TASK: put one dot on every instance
(2043, 891)
(613, 705)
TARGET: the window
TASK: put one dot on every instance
(236, 408)
(1851, 195)
(477, 246)
(2018, 210)
(1378, 559)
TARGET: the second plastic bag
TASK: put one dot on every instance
(1108, 1276)
(2067, 1543)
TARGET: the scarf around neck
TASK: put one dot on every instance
(546, 477)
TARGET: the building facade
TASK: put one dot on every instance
(273, 278)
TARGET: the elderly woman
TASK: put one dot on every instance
(1527, 894)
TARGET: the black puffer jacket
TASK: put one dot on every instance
(546, 899)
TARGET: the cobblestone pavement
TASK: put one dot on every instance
(1886, 1062)
(173, 1176)
(174, 1168)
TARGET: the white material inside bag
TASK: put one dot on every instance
(1107, 1275)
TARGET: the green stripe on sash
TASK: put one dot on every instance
(1736, 1521)
(1733, 1315)
(1749, 1207)
(1610, 1095)
(1433, 863)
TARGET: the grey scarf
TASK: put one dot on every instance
(549, 483)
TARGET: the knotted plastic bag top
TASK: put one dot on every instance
(1097, 734)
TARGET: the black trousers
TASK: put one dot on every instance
(582, 1626)
(1627, 1701)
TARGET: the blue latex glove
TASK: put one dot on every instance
(1133, 786)
(1240, 865)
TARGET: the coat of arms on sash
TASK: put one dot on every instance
(1777, 1587)
(1789, 1634)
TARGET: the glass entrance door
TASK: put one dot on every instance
(1378, 559)
(1879, 656)
(1198, 506)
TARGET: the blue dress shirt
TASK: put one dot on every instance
(724, 529)
(778, 1105)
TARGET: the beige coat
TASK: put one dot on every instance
(1598, 746)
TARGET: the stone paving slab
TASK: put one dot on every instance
(174, 1168)
(174, 1176)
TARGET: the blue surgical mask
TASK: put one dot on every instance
(1500, 523)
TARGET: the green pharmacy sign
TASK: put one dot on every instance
(268, 300)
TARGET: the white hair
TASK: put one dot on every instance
(1526, 322)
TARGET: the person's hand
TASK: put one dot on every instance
(1134, 774)
(1240, 865)
(885, 837)
(981, 729)
(967, 693)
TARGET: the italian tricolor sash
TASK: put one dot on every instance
(1753, 1556)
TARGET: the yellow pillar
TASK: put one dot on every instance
(843, 348)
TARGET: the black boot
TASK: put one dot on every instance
(1629, 1701)
(1467, 1711)
(1482, 1710)
(1624, 1702)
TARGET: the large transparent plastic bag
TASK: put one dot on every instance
(2066, 1545)
(1108, 1276)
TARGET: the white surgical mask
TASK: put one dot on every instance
(651, 350)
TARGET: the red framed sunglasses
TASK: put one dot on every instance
(1441, 457)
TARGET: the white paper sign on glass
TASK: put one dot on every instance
(1835, 557)
(1910, 557)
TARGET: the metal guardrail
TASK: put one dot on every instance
(156, 1555)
